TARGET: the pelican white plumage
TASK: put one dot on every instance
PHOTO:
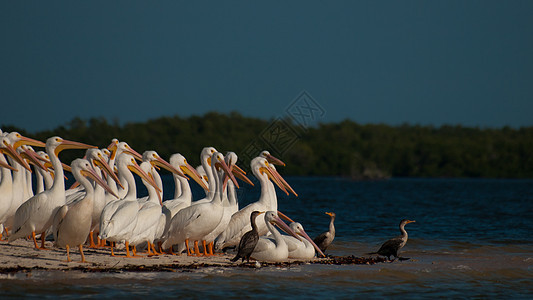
(36, 214)
(116, 148)
(230, 203)
(150, 218)
(18, 178)
(72, 222)
(301, 248)
(182, 192)
(197, 221)
(273, 248)
(239, 223)
(6, 183)
(118, 218)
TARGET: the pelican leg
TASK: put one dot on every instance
(68, 254)
(112, 247)
(204, 244)
(43, 236)
(81, 252)
(128, 249)
(187, 246)
(91, 240)
(34, 240)
(196, 250)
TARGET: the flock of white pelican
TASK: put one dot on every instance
(102, 208)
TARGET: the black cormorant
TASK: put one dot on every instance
(325, 239)
(392, 246)
(248, 240)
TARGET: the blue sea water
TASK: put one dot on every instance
(473, 238)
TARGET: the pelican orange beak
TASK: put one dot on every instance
(274, 176)
(284, 216)
(66, 144)
(102, 164)
(113, 148)
(277, 221)
(227, 170)
(7, 166)
(189, 170)
(10, 151)
(305, 236)
(134, 153)
(241, 174)
(22, 140)
(32, 157)
(134, 167)
(273, 160)
(90, 173)
(160, 162)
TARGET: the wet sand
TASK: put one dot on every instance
(22, 256)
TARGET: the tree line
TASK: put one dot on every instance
(359, 151)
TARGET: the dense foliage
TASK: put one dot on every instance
(343, 149)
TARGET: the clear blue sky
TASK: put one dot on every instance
(420, 62)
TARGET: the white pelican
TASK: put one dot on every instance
(230, 203)
(36, 214)
(116, 148)
(19, 178)
(301, 248)
(274, 248)
(239, 223)
(182, 192)
(6, 183)
(118, 218)
(98, 161)
(150, 218)
(197, 221)
(72, 223)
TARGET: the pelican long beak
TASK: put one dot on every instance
(285, 184)
(284, 216)
(11, 152)
(165, 165)
(134, 153)
(189, 170)
(27, 141)
(241, 175)
(7, 166)
(66, 144)
(273, 160)
(32, 157)
(277, 221)
(228, 172)
(305, 236)
(134, 167)
(102, 164)
(274, 176)
(90, 173)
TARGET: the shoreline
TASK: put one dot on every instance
(21, 256)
